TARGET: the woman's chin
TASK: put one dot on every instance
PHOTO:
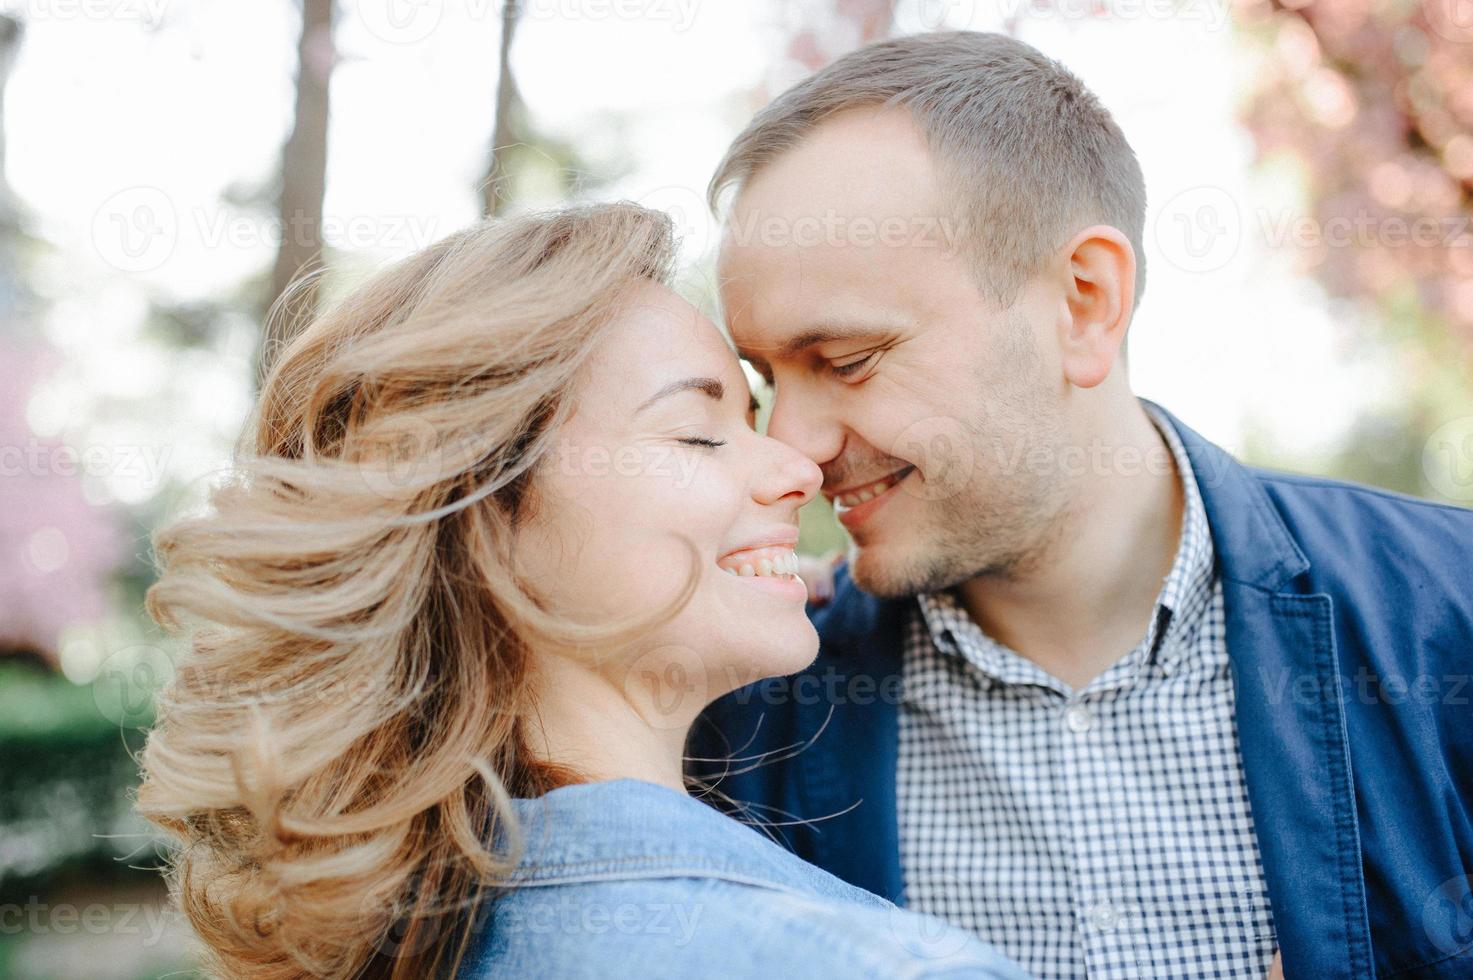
(773, 647)
(783, 650)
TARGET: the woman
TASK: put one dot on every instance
(502, 529)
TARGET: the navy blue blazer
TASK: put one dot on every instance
(1350, 630)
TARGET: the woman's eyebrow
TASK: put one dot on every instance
(707, 386)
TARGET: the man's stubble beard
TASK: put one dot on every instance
(1002, 527)
(965, 537)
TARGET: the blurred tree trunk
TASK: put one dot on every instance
(508, 115)
(11, 31)
(303, 182)
(13, 294)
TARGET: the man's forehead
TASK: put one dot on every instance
(757, 281)
(802, 270)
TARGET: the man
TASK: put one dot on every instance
(1088, 686)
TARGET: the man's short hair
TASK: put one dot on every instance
(1025, 153)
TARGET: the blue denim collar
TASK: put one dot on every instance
(630, 828)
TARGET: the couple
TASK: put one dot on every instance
(505, 600)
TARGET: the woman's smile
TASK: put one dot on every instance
(772, 569)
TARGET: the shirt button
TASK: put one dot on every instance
(1078, 718)
(1105, 917)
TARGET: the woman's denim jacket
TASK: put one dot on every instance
(631, 878)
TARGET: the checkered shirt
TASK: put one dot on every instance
(1102, 833)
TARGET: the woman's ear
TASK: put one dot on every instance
(1099, 294)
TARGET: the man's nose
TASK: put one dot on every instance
(805, 421)
(792, 477)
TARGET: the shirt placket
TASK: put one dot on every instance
(1104, 890)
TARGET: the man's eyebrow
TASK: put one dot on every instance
(823, 334)
(816, 336)
(706, 386)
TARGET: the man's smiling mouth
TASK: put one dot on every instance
(855, 496)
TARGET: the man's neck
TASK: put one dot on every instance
(1088, 601)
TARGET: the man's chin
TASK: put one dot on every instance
(891, 571)
(884, 572)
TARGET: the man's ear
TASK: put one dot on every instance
(1099, 294)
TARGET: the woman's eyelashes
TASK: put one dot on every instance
(702, 441)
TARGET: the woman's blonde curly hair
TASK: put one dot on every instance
(346, 725)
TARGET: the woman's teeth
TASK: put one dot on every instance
(770, 563)
(869, 491)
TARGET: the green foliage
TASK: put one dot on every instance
(66, 774)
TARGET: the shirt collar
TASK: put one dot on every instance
(954, 633)
(1188, 586)
(631, 828)
(1183, 599)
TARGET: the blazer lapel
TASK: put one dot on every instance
(1291, 725)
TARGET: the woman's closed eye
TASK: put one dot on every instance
(702, 441)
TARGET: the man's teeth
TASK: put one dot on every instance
(870, 490)
(773, 565)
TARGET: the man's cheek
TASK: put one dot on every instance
(940, 447)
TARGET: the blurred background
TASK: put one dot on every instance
(170, 165)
